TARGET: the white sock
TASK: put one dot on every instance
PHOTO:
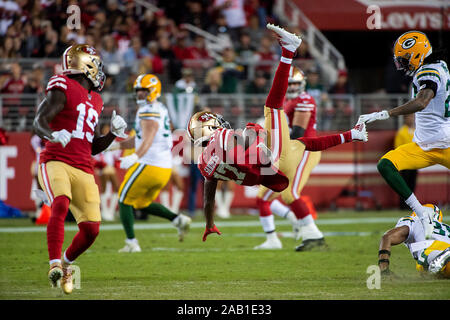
(54, 261)
(176, 201)
(307, 220)
(268, 223)
(279, 209)
(66, 260)
(415, 205)
(134, 240)
(164, 197)
(228, 198)
(113, 205)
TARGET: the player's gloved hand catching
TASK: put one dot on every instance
(211, 230)
(62, 136)
(128, 161)
(371, 117)
(118, 125)
(359, 132)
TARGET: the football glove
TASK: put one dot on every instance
(118, 125)
(211, 230)
(371, 117)
(128, 161)
(63, 136)
(359, 132)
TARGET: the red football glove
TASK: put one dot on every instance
(211, 230)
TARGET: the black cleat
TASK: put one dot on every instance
(310, 244)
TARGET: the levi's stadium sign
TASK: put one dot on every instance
(377, 14)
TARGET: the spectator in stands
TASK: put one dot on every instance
(245, 50)
(166, 53)
(195, 14)
(255, 31)
(7, 49)
(342, 107)
(14, 84)
(220, 29)
(213, 81)
(259, 85)
(317, 91)
(187, 82)
(35, 80)
(266, 56)
(148, 27)
(156, 63)
(134, 53)
(233, 11)
(403, 136)
(232, 72)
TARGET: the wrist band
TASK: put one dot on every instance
(384, 252)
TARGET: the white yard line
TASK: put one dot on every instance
(201, 225)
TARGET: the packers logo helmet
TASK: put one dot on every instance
(84, 59)
(149, 82)
(437, 212)
(410, 49)
(297, 82)
(202, 126)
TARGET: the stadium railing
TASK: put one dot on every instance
(335, 112)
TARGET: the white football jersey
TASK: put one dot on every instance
(433, 122)
(416, 241)
(160, 152)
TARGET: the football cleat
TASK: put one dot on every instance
(439, 262)
(55, 274)
(131, 246)
(271, 243)
(289, 41)
(67, 280)
(311, 244)
(182, 223)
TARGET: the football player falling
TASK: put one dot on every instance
(432, 256)
(67, 119)
(430, 103)
(243, 156)
(300, 109)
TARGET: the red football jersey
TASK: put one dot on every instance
(80, 117)
(304, 102)
(223, 159)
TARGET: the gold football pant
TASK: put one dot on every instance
(58, 178)
(142, 184)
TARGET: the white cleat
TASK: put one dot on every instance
(439, 262)
(131, 245)
(182, 223)
(289, 41)
(270, 243)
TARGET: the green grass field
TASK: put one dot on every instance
(223, 267)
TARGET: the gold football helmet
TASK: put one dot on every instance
(151, 83)
(297, 82)
(203, 124)
(84, 59)
(410, 49)
(437, 212)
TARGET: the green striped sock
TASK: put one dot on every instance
(159, 210)
(393, 178)
(127, 218)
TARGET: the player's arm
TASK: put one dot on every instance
(52, 104)
(358, 133)
(210, 187)
(419, 103)
(300, 123)
(390, 238)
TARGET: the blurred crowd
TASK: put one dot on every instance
(133, 39)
